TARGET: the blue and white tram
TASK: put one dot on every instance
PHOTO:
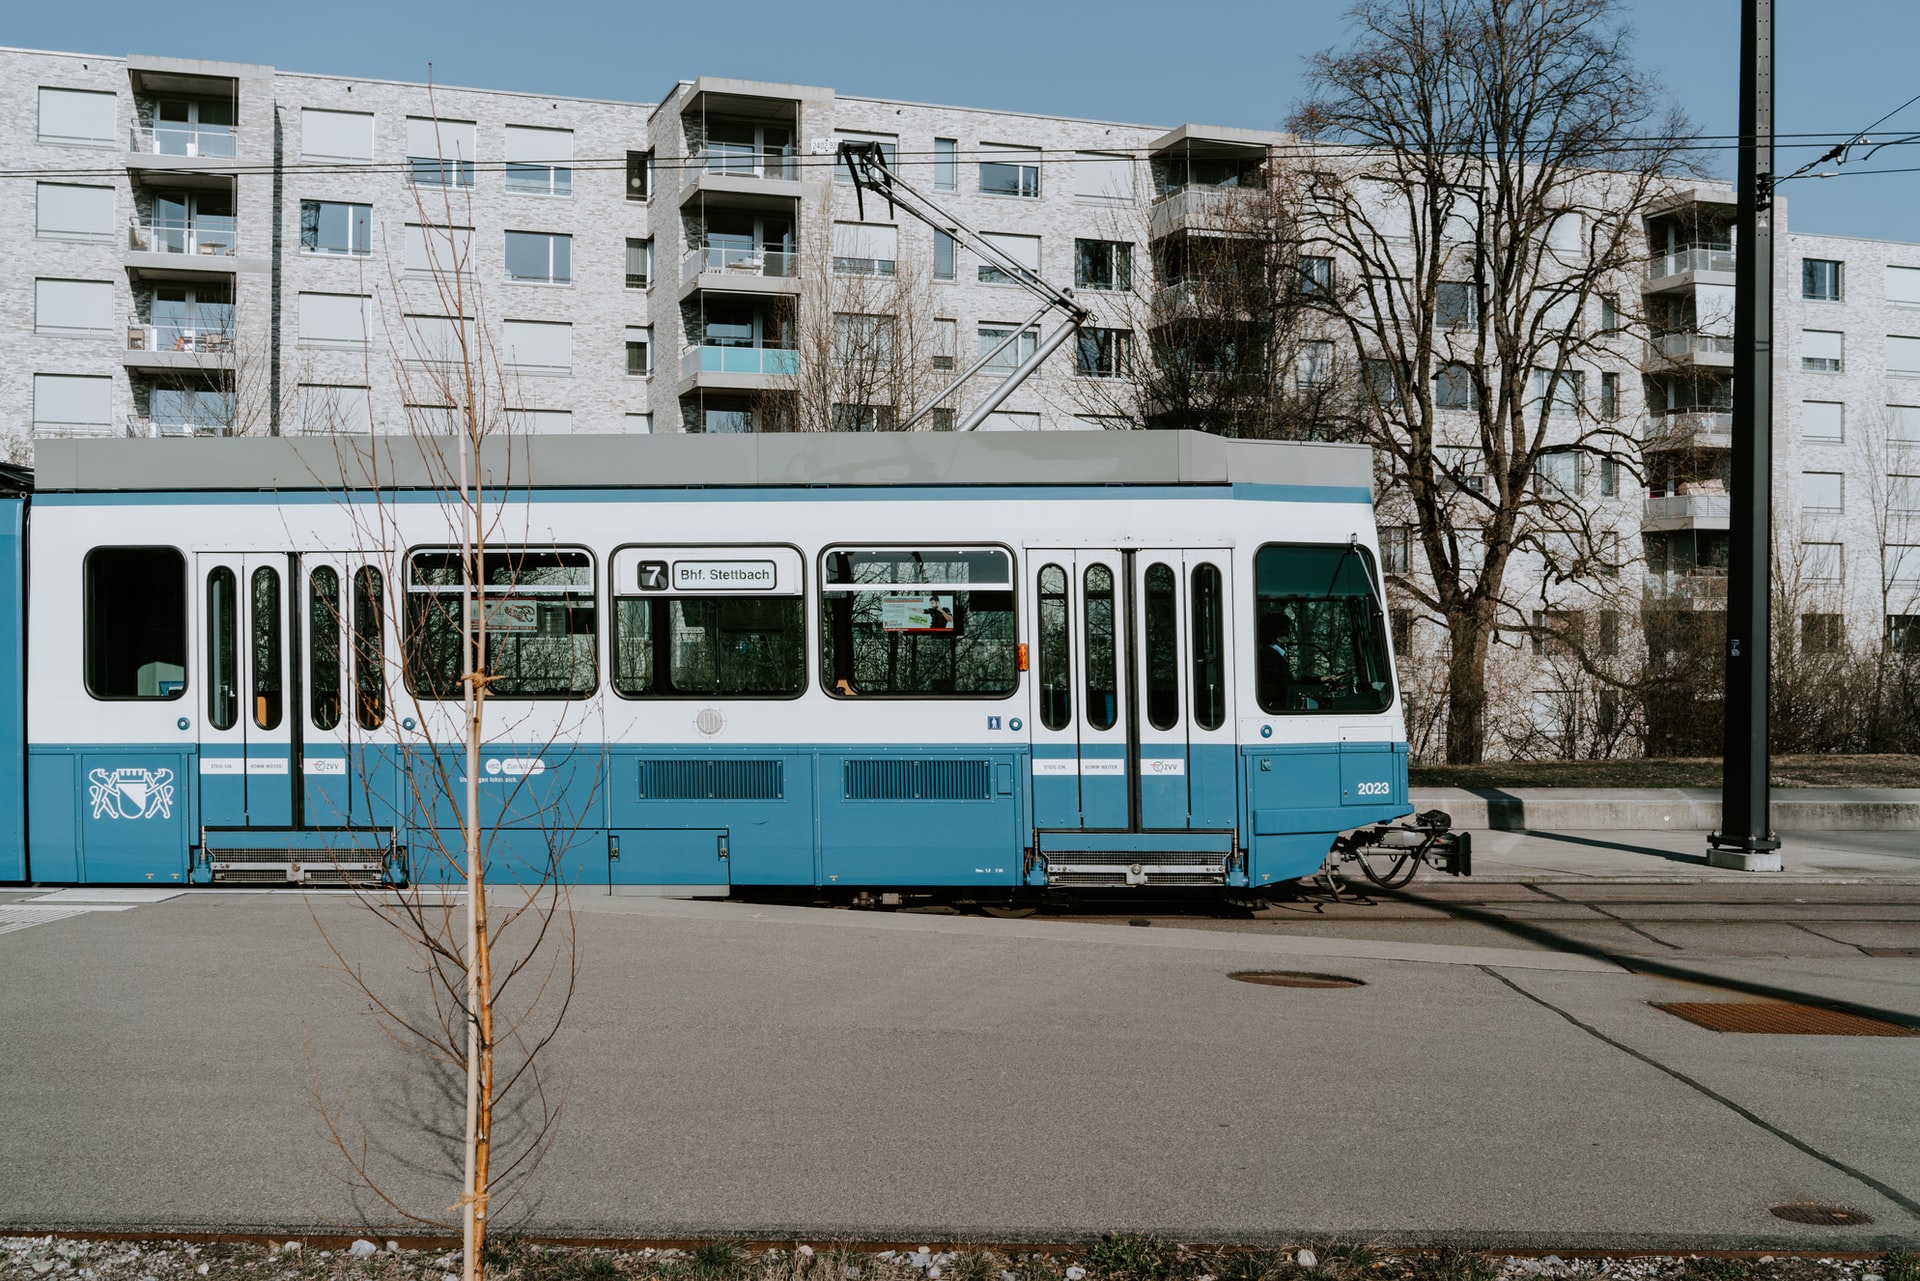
(985, 666)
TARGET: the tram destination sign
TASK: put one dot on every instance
(725, 576)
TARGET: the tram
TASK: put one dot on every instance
(988, 667)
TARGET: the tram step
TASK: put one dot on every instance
(1162, 868)
(296, 856)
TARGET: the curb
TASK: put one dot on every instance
(1695, 809)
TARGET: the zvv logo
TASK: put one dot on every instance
(131, 793)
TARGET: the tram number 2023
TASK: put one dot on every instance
(1372, 789)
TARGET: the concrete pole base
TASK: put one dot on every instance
(1746, 860)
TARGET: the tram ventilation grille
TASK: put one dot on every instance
(676, 780)
(251, 876)
(909, 780)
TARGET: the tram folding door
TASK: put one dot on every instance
(1130, 729)
(349, 774)
(245, 717)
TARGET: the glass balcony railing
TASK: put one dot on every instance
(1691, 258)
(141, 425)
(170, 139)
(204, 237)
(1689, 507)
(209, 332)
(779, 263)
(1692, 422)
(740, 161)
(1676, 346)
(739, 360)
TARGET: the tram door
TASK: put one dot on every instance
(245, 708)
(347, 770)
(1130, 726)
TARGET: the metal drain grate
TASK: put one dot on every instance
(1293, 978)
(1824, 1216)
(1779, 1018)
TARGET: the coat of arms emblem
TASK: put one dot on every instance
(131, 793)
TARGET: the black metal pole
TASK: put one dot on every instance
(1745, 839)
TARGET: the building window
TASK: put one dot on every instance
(1396, 548)
(539, 257)
(864, 340)
(1903, 286)
(1024, 250)
(1609, 313)
(437, 250)
(64, 211)
(327, 227)
(639, 263)
(865, 249)
(1103, 264)
(639, 175)
(943, 255)
(1456, 387)
(1382, 380)
(1558, 632)
(1903, 633)
(1823, 562)
(1821, 279)
(1822, 633)
(1316, 276)
(1009, 359)
(539, 161)
(1102, 353)
(1823, 421)
(863, 417)
(136, 623)
(74, 308)
(639, 352)
(1456, 304)
(946, 341)
(1313, 366)
(946, 164)
(78, 117)
(940, 420)
(1822, 491)
(1558, 474)
(1609, 396)
(1821, 350)
(1608, 642)
(1403, 634)
(333, 320)
(1903, 356)
(1903, 424)
(889, 152)
(537, 346)
(1011, 171)
(440, 153)
(1562, 385)
(1903, 494)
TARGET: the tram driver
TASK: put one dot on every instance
(1279, 681)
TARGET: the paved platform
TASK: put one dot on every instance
(1675, 854)
(789, 1071)
(1851, 809)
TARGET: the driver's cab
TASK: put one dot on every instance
(1320, 631)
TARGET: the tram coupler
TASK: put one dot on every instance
(1428, 839)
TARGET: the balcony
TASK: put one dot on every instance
(1688, 587)
(1690, 429)
(1692, 264)
(200, 338)
(739, 360)
(1206, 208)
(1686, 511)
(169, 138)
(205, 237)
(739, 264)
(139, 425)
(1704, 350)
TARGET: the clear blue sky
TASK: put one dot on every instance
(1842, 63)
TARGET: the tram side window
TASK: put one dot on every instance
(709, 646)
(136, 623)
(266, 648)
(906, 622)
(1163, 648)
(540, 624)
(1320, 631)
(369, 648)
(1056, 676)
(323, 655)
(223, 649)
(1209, 649)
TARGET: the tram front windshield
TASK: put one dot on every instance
(1320, 631)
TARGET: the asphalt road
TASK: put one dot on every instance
(1499, 1078)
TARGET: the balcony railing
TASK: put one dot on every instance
(745, 162)
(138, 425)
(1675, 346)
(1692, 422)
(780, 263)
(739, 360)
(205, 237)
(210, 335)
(1703, 585)
(1689, 507)
(1691, 258)
(185, 140)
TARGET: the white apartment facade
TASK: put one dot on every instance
(208, 247)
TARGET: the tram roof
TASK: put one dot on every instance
(686, 461)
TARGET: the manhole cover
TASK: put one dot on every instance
(1294, 978)
(1779, 1018)
(1825, 1216)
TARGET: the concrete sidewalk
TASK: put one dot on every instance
(1697, 809)
(1675, 855)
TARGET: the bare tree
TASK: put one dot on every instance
(1485, 168)
(489, 613)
